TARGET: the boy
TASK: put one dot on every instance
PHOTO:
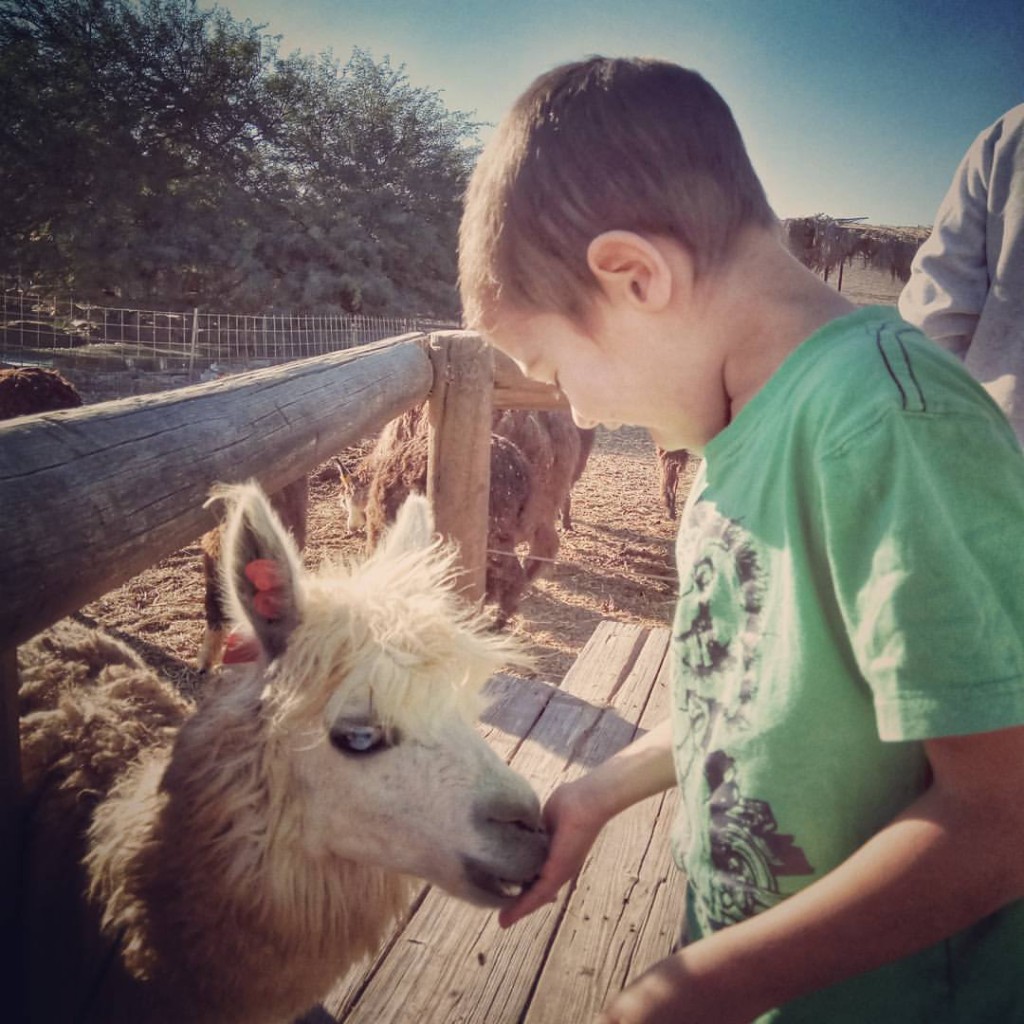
(849, 684)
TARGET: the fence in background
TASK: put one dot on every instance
(116, 351)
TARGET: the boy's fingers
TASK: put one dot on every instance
(525, 905)
(543, 891)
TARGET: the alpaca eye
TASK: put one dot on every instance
(358, 739)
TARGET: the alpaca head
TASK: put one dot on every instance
(370, 683)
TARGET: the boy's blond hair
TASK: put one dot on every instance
(602, 144)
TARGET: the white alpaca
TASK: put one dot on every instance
(249, 857)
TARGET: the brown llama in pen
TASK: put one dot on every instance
(671, 465)
(26, 390)
(397, 467)
(553, 447)
(536, 457)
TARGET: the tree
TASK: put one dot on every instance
(167, 151)
(129, 126)
(377, 169)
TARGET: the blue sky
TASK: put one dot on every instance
(849, 107)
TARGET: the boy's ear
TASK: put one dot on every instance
(630, 268)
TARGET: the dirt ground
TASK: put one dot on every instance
(616, 562)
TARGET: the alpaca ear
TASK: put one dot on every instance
(343, 474)
(260, 568)
(413, 529)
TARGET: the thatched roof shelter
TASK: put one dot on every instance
(825, 244)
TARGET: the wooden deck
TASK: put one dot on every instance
(450, 963)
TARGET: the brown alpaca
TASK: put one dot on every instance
(246, 853)
(397, 467)
(670, 466)
(587, 436)
(552, 446)
(26, 390)
(536, 457)
(356, 482)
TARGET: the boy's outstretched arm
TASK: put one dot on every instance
(951, 858)
(577, 811)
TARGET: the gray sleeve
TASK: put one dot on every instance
(949, 278)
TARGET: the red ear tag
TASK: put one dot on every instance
(240, 648)
(265, 575)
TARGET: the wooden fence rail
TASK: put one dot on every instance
(90, 497)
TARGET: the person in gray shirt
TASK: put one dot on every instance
(966, 287)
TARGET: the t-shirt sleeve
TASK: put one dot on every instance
(924, 536)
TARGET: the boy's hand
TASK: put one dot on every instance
(577, 811)
(572, 826)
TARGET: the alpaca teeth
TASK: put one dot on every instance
(485, 881)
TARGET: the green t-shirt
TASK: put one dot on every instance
(851, 567)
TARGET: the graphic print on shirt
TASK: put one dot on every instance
(717, 635)
(748, 853)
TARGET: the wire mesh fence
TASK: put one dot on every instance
(116, 351)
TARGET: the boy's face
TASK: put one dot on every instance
(608, 374)
(551, 349)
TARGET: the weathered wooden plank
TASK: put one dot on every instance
(452, 963)
(627, 907)
(89, 497)
(513, 707)
(663, 901)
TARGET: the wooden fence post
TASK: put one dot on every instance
(459, 459)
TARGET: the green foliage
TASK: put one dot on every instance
(165, 151)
